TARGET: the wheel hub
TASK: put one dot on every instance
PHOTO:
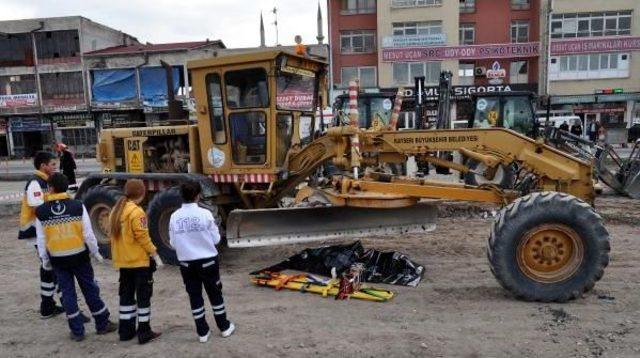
(99, 215)
(550, 253)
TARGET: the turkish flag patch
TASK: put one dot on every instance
(37, 194)
(143, 222)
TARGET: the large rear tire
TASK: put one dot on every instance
(159, 212)
(548, 247)
(99, 200)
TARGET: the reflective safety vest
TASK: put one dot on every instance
(28, 213)
(61, 219)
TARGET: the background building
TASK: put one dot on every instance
(43, 88)
(594, 70)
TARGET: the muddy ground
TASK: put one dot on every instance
(458, 310)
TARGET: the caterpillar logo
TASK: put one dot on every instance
(153, 132)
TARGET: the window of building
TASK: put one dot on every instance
(352, 7)
(519, 31)
(407, 120)
(520, 4)
(357, 41)
(415, 3)
(590, 66)
(612, 23)
(467, 34)
(519, 72)
(366, 75)
(466, 74)
(405, 72)
(417, 28)
(467, 6)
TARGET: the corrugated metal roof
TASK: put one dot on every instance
(166, 47)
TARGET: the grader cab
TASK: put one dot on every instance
(255, 147)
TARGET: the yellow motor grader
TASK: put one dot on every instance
(256, 144)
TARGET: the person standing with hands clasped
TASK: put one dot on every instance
(64, 233)
(194, 235)
(131, 248)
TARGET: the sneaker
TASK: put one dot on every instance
(205, 338)
(85, 318)
(76, 337)
(56, 311)
(147, 337)
(229, 331)
(111, 327)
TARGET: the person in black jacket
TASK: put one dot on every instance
(67, 164)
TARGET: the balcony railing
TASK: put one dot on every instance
(415, 3)
(366, 10)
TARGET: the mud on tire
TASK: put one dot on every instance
(548, 246)
(99, 200)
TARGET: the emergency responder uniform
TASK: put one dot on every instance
(64, 234)
(35, 193)
(130, 252)
(194, 234)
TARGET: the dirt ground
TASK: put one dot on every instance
(458, 310)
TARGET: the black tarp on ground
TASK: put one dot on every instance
(380, 267)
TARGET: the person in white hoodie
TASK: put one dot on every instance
(194, 235)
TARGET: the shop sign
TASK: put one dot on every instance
(595, 45)
(585, 110)
(468, 52)
(465, 92)
(28, 124)
(18, 100)
(496, 74)
(413, 40)
(73, 120)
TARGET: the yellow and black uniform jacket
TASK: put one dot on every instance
(35, 192)
(60, 229)
(133, 246)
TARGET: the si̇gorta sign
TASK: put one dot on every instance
(465, 92)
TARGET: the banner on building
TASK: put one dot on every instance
(18, 100)
(469, 52)
(595, 45)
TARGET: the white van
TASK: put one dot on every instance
(556, 121)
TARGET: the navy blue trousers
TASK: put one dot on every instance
(83, 273)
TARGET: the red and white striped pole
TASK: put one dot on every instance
(393, 123)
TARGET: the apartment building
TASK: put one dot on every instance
(594, 69)
(43, 92)
(487, 45)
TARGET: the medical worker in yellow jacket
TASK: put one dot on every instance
(135, 255)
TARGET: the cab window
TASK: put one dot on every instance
(247, 88)
(249, 135)
(487, 112)
(518, 115)
(216, 117)
(284, 133)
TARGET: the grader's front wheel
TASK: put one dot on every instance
(548, 247)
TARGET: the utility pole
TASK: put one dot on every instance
(546, 63)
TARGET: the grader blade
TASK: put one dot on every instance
(264, 227)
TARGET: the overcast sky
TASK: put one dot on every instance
(236, 22)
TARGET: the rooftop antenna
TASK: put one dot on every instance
(262, 44)
(320, 36)
(275, 23)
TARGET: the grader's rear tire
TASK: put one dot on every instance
(548, 247)
(159, 213)
(99, 200)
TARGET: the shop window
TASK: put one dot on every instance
(249, 136)
(247, 88)
(216, 113)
